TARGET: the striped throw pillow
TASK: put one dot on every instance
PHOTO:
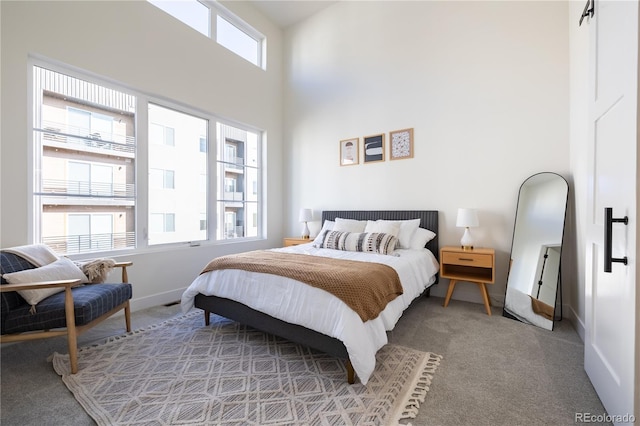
(369, 242)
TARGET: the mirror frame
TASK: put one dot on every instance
(558, 289)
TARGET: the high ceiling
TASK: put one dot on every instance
(287, 13)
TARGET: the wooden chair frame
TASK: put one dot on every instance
(71, 331)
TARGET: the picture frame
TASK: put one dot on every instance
(373, 150)
(401, 144)
(349, 150)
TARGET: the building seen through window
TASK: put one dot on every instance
(87, 187)
(85, 144)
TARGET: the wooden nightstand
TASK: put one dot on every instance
(476, 266)
(294, 241)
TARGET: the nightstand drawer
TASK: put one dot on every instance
(468, 259)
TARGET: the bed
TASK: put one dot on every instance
(307, 315)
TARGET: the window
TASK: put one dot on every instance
(238, 168)
(191, 12)
(230, 31)
(237, 41)
(161, 179)
(90, 232)
(161, 223)
(87, 181)
(85, 144)
(229, 186)
(182, 158)
(161, 135)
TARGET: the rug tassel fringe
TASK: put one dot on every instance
(420, 388)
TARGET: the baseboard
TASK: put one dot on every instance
(578, 324)
(157, 299)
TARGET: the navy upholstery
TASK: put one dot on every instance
(10, 262)
(90, 302)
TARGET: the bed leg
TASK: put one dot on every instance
(428, 292)
(351, 374)
(207, 318)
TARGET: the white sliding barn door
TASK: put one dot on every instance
(611, 297)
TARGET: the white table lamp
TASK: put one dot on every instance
(467, 218)
(306, 215)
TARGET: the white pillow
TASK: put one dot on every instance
(349, 225)
(407, 229)
(404, 234)
(383, 226)
(61, 269)
(326, 226)
(420, 238)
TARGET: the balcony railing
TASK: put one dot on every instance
(233, 232)
(87, 189)
(70, 244)
(57, 134)
(233, 164)
(233, 196)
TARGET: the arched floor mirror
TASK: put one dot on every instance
(533, 282)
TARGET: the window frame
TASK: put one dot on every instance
(141, 179)
(216, 9)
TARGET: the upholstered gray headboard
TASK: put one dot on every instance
(428, 220)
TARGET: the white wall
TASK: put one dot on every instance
(485, 85)
(137, 45)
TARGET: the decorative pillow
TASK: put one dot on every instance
(349, 225)
(373, 242)
(326, 226)
(421, 237)
(61, 269)
(404, 232)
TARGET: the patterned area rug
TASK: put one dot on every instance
(181, 372)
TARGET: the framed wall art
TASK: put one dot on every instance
(374, 148)
(349, 152)
(401, 144)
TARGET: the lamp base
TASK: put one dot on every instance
(466, 242)
(305, 231)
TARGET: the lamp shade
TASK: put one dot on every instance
(306, 215)
(467, 218)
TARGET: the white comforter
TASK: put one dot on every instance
(298, 303)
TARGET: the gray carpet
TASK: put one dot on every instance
(495, 371)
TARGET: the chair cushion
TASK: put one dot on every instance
(10, 262)
(90, 302)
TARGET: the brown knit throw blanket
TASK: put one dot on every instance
(364, 286)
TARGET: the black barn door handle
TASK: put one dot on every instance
(608, 238)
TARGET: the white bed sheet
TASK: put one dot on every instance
(298, 303)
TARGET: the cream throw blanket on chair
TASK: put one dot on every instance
(96, 269)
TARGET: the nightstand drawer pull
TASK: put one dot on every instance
(466, 259)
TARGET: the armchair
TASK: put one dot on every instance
(69, 312)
